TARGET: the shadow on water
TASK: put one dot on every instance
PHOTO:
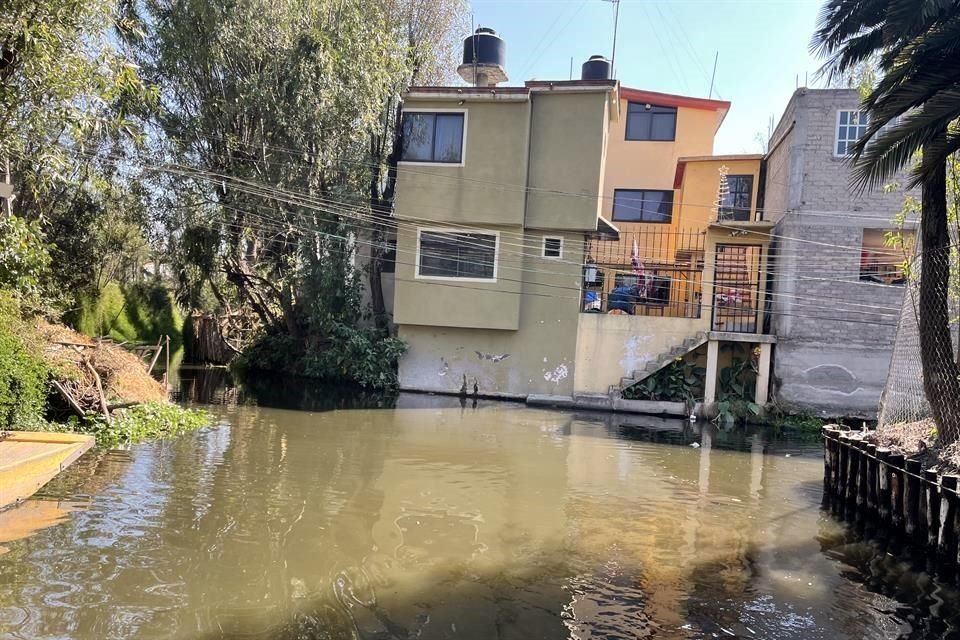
(219, 386)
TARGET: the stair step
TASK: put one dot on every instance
(626, 382)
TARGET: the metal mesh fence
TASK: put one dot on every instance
(907, 396)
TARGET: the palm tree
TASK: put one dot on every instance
(913, 107)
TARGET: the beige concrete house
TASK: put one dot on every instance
(489, 243)
(523, 213)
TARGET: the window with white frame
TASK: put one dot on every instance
(851, 126)
(552, 247)
(457, 255)
(429, 136)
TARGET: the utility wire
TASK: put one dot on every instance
(273, 195)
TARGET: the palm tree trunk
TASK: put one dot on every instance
(941, 375)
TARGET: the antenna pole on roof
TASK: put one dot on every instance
(714, 75)
(473, 42)
(571, 67)
(616, 23)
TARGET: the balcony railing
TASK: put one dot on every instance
(651, 273)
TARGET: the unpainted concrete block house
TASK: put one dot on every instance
(831, 358)
(561, 242)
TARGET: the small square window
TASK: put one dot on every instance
(552, 247)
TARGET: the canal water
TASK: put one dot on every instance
(304, 513)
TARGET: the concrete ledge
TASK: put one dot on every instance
(593, 401)
(651, 407)
(733, 336)
(490, 395)
(565, 402)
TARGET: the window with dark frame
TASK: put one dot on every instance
(650, 122)
(445, 254)
(432, 137)
(552, 247)
(643, 205)
(738, 200)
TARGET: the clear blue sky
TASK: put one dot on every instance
(669, 46)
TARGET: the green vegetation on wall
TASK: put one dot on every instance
(136, 313)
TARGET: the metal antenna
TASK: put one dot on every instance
(714, 75)
(473, 41)
(616, 24)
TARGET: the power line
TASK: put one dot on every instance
(273, 195)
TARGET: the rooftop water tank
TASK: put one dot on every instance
(484, 58)
(596, 68)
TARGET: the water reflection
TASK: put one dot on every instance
(217, 385)
(437, 520)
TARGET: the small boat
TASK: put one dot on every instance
(30, 459)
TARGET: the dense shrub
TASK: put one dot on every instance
(24, 258)
(350, 355)
(24, 376)
(137, 313)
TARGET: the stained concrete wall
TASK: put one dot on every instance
(537, 357)
(835, 333)
(610, 347)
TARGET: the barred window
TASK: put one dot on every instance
(457, 255)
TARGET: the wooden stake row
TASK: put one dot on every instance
(862, 478)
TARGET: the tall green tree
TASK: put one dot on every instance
(66, 94)
(274, 146)
(914, 106)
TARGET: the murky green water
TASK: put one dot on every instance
(435, 520)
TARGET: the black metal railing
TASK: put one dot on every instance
(650, 272)
(736, 296)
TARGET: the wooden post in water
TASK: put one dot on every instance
(863, 482)
(883, 484)
(911, 496)
(896, 461)
(829, 460)
(872, 478)
(844, 466)
(835, 461)
(933, 507)
(948, 512)
(853, 472)
(827, 467)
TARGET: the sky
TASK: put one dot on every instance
(762, 49)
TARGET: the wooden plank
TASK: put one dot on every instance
(872, 478)
(948, 512)
(911, 497)
(29, 460)
(932, 491)
(896, 461)
(883, 484)
(68, 397)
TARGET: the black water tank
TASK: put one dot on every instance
(489, 47)
(596, 68)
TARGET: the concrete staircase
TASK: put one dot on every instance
(661, 361)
